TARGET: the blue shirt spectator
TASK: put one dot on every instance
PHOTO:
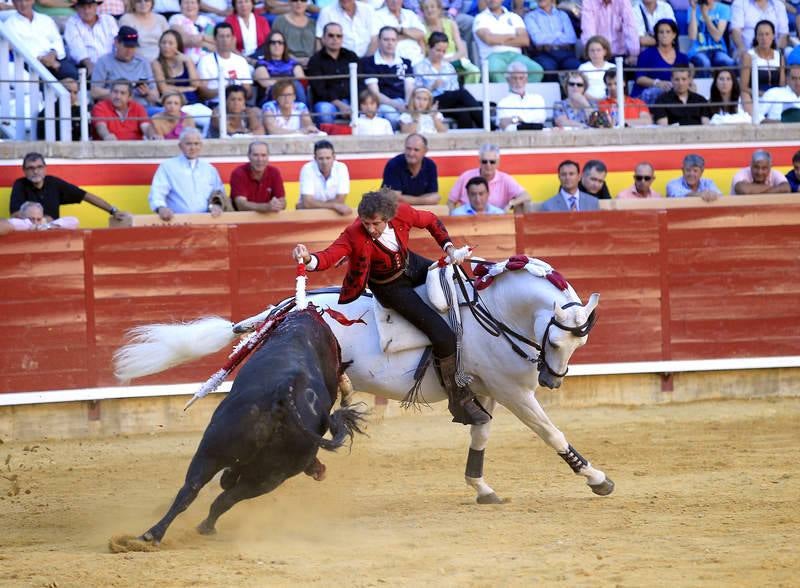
(185, 183)
(553, 38)
(705, 51)
(678, 188)
(412, 174)
(467, 210)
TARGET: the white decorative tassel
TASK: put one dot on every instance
(211, 384)
(300, 287)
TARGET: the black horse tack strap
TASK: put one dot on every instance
(574, 459)
(497, 329)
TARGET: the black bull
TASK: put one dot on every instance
(270, 426)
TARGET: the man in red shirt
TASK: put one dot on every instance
(636, 112)
(257, 185)
(119, 117)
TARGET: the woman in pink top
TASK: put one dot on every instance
(613, 19)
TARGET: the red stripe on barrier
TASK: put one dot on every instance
(138, 174)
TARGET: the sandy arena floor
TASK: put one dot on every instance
(706, 496)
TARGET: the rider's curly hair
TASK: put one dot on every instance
(381, 203)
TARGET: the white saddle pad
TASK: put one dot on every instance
(395, 332)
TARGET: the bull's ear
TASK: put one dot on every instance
(594, 300)
(558, 313)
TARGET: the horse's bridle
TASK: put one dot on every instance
(579, 331)
(495, 328)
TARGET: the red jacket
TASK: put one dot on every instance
(356, 244)
(262, 30)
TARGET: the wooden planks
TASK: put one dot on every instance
(675, 284)
(42, 311)
(617, 255)
(734, 282)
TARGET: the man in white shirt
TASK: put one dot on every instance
(356, 20)
(500, 36)
(776, 100)
(411, 31)
(646, 14)
(324, 182)
(235, 68)
(39, 34)
(519, 108)
(89, 35)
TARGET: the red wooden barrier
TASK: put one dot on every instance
(674, 284)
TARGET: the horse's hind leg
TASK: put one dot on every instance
(530, 412)
(243, 490)
(200, 471)
(474, 471)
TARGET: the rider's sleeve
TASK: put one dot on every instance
(422, 219)
(324, 259)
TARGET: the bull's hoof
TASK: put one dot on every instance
(316, 470)
(150, 538)
(206, 529)
(489, 499)
(604, 488)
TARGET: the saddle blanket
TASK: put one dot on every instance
(395, 332)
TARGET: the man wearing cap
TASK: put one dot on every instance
(39, 34)
(123, 64)
(88, 35)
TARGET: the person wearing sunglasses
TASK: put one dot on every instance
(275, 64)
(504, 191)
(643, 176)
(574, 111)
(328, 69)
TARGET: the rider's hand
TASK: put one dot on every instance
(457, 256)
(301, 252)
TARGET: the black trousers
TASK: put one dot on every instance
(460, 98)
(399, 295)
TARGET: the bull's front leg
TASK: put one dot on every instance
(201, 470)
(473, 474)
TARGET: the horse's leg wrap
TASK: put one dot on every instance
(574, 459)
(474, 463)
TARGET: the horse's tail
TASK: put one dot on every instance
(154, 348)
(343, 424)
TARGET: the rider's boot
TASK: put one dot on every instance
(462, 403)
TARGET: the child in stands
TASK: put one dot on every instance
(369, 123)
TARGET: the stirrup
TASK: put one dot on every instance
(474, 413)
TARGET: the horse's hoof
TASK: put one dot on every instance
(489, 499)
(604, 488)
(204, 529)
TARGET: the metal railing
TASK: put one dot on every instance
(19, 117)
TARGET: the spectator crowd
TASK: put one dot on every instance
(155, 68)
(188, 184)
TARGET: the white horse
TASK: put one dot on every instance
(519, 332)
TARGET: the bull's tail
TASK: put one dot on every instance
(343, 424)
(154, 348)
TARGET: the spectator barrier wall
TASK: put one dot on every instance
(701, 283)
(125, 182)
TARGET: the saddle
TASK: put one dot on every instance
(395, 332)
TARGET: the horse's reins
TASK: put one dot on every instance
(496, 328)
